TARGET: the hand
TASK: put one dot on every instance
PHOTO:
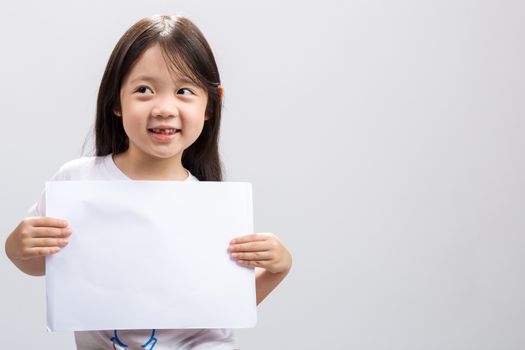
(37, 237)
(263, 250)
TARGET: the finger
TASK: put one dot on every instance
(249, 238)
(252, 256)
(51, 232)
(250, 247)
(49, 242)
(251, 263)
(36, 252)
(42, 221)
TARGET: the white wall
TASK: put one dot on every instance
(384, 141)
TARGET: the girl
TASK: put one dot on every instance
(158, 118)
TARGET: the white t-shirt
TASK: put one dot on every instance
(104, 168)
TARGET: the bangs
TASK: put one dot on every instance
(180, 65)
(186, 51)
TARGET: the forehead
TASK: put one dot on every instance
(153, 63)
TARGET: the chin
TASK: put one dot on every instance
(165, 155)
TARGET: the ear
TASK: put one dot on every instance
(116, 111)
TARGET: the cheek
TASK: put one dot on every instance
(132, 116)
(195, 127)
(129, 122)
(196, 117)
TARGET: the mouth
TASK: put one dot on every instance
(164, 131)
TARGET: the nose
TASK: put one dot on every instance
(165, 107)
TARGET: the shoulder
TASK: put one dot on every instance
(80, 169)
(79, 163)
(85, 168)
(191, 177)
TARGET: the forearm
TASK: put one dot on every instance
(265, 282)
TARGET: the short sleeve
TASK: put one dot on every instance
(39, 208)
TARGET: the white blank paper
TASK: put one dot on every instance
(149, 254)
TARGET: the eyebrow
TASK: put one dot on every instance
(153, 80)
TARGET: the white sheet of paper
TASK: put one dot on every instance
(149, 254)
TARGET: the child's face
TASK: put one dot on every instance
(162, 113)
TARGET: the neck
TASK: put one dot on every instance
(138, 167)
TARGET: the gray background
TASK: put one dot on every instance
(384, 140)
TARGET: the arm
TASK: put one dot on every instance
(32, 240)
(269, 256)
(265, 282)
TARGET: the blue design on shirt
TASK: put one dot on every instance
(116, 341)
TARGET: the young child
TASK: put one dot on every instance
(158, 118)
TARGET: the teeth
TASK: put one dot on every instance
(164, 131)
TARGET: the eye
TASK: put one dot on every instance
(144, 90)
(185, 91)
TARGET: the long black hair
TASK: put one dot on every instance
(185, 50)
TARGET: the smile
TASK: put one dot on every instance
(170, 131)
